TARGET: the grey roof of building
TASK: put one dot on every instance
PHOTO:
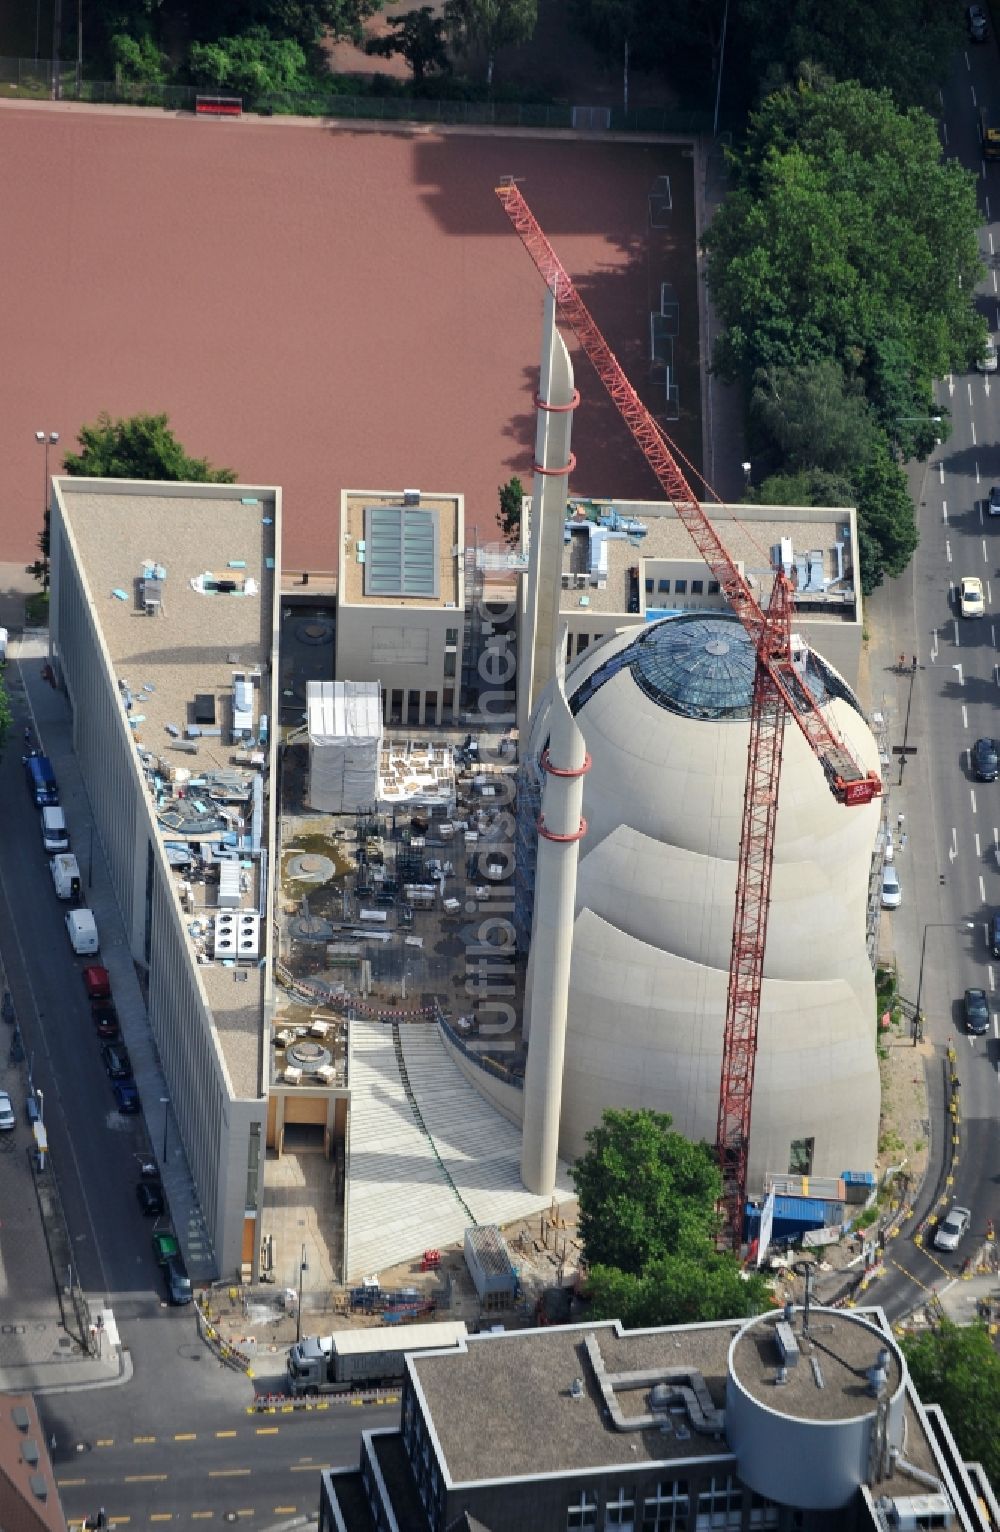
(840, 1345)
(351, 1501)
(487, 1403)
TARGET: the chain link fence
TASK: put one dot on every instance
(38, 78)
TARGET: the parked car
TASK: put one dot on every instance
(892, 894)
(178, 1282)
(988, 361)
(971, 601)
(985, 762)
(105, 1019)
(975, 20)
(995, 933)
(97, 982)
(116, 1061)
(977, 1011)
(165, 1246)
(32, 1110)
(126, 1095)
(993, 502)
(150, 1198)
(952, 1227)
(7, 1118)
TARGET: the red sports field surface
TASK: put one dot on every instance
(318, 307)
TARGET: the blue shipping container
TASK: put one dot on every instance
(795, 1215)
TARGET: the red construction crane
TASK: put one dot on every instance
(779, 690)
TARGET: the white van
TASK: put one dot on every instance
(82, 930)
(55, 837)
(65, 872)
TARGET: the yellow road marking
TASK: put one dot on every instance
(141, 1440)
(144, 1478)
(69, 1483)
(161, 1516)
(922, 1285)
(268, 1430)
(105, 1441)
(225, 1433)
(185, 1436)
(285, 1510)
(303, 1467)
(202, 1515)
(226, 1473)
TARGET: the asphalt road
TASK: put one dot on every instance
(240, 1467)
(950, 868)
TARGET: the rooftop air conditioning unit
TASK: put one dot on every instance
(565, 581)
(237, 934)
(411, 497)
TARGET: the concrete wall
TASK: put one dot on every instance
(388, 644)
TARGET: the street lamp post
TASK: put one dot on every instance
(303, 1267)
(932, 925)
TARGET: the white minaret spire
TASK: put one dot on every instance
(556, 400)
(560, 828)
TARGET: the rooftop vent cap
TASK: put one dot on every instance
(20, 1417)
(29, 1450)
(411, 497)
(659, 1397)
(576, 1390)
(39, 1488)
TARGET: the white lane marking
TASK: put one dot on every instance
(953, 848)
(941, 464)
(982, 889)
(944, 511)
(985, 559)
(965, 716)
(951, 383)
(990, 237)
(977, 460)
(972, 795)
(972, 88)
(934, 650)
(989, 968)
(978, 851)
(947, 549)
(974, 442)
(969, 387)
(993, 639)
(989, 592)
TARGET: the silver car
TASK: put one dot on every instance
(7, 1118)
(892, 894)
(951, 1229)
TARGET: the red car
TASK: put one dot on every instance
(97, 982)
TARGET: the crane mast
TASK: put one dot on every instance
(778, 691)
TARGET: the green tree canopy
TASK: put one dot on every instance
(645, 1192)
(418, 37)
(812, 416)
(253, 64)
(845, 226)
(677, 1290)
(138, 447)
(510, 496)
(490, 24)
(897, 45)
(958, 1369)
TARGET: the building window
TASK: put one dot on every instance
(449, 664)
(431, 709)
(451, 636)
(396, 714)
(713, 587)
(413, 708)
(582, 642)
(664, 587)
(621, 1511)
(697, 587)
(720, 1505)
(680, 587)
(253, 1167)
(448, 701)
(666, 1510)
(800, 1158)
(649, 587)
(762, 1512)
(584, 1513)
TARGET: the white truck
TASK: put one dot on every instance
(330, 1364)
(65, 870)
(81, 928)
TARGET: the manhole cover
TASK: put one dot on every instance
(306, 1054)
(316, 631)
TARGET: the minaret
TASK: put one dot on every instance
(560, 828)
(540, 627)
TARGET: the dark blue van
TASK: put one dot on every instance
(41, 780)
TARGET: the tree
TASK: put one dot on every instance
(6, 714)
(958, 1369)
(813, 416)
(253, 64)
(509, 512)
(677, 1290)
(139, 447)
(490, 24)
(137, 60)
(645, 1192)
(418, 36)
(887, 529)
(845, 226)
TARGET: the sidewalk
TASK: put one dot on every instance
(52, 721)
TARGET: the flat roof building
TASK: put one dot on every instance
(164, 632)
(401, 600)
(768, 1422)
